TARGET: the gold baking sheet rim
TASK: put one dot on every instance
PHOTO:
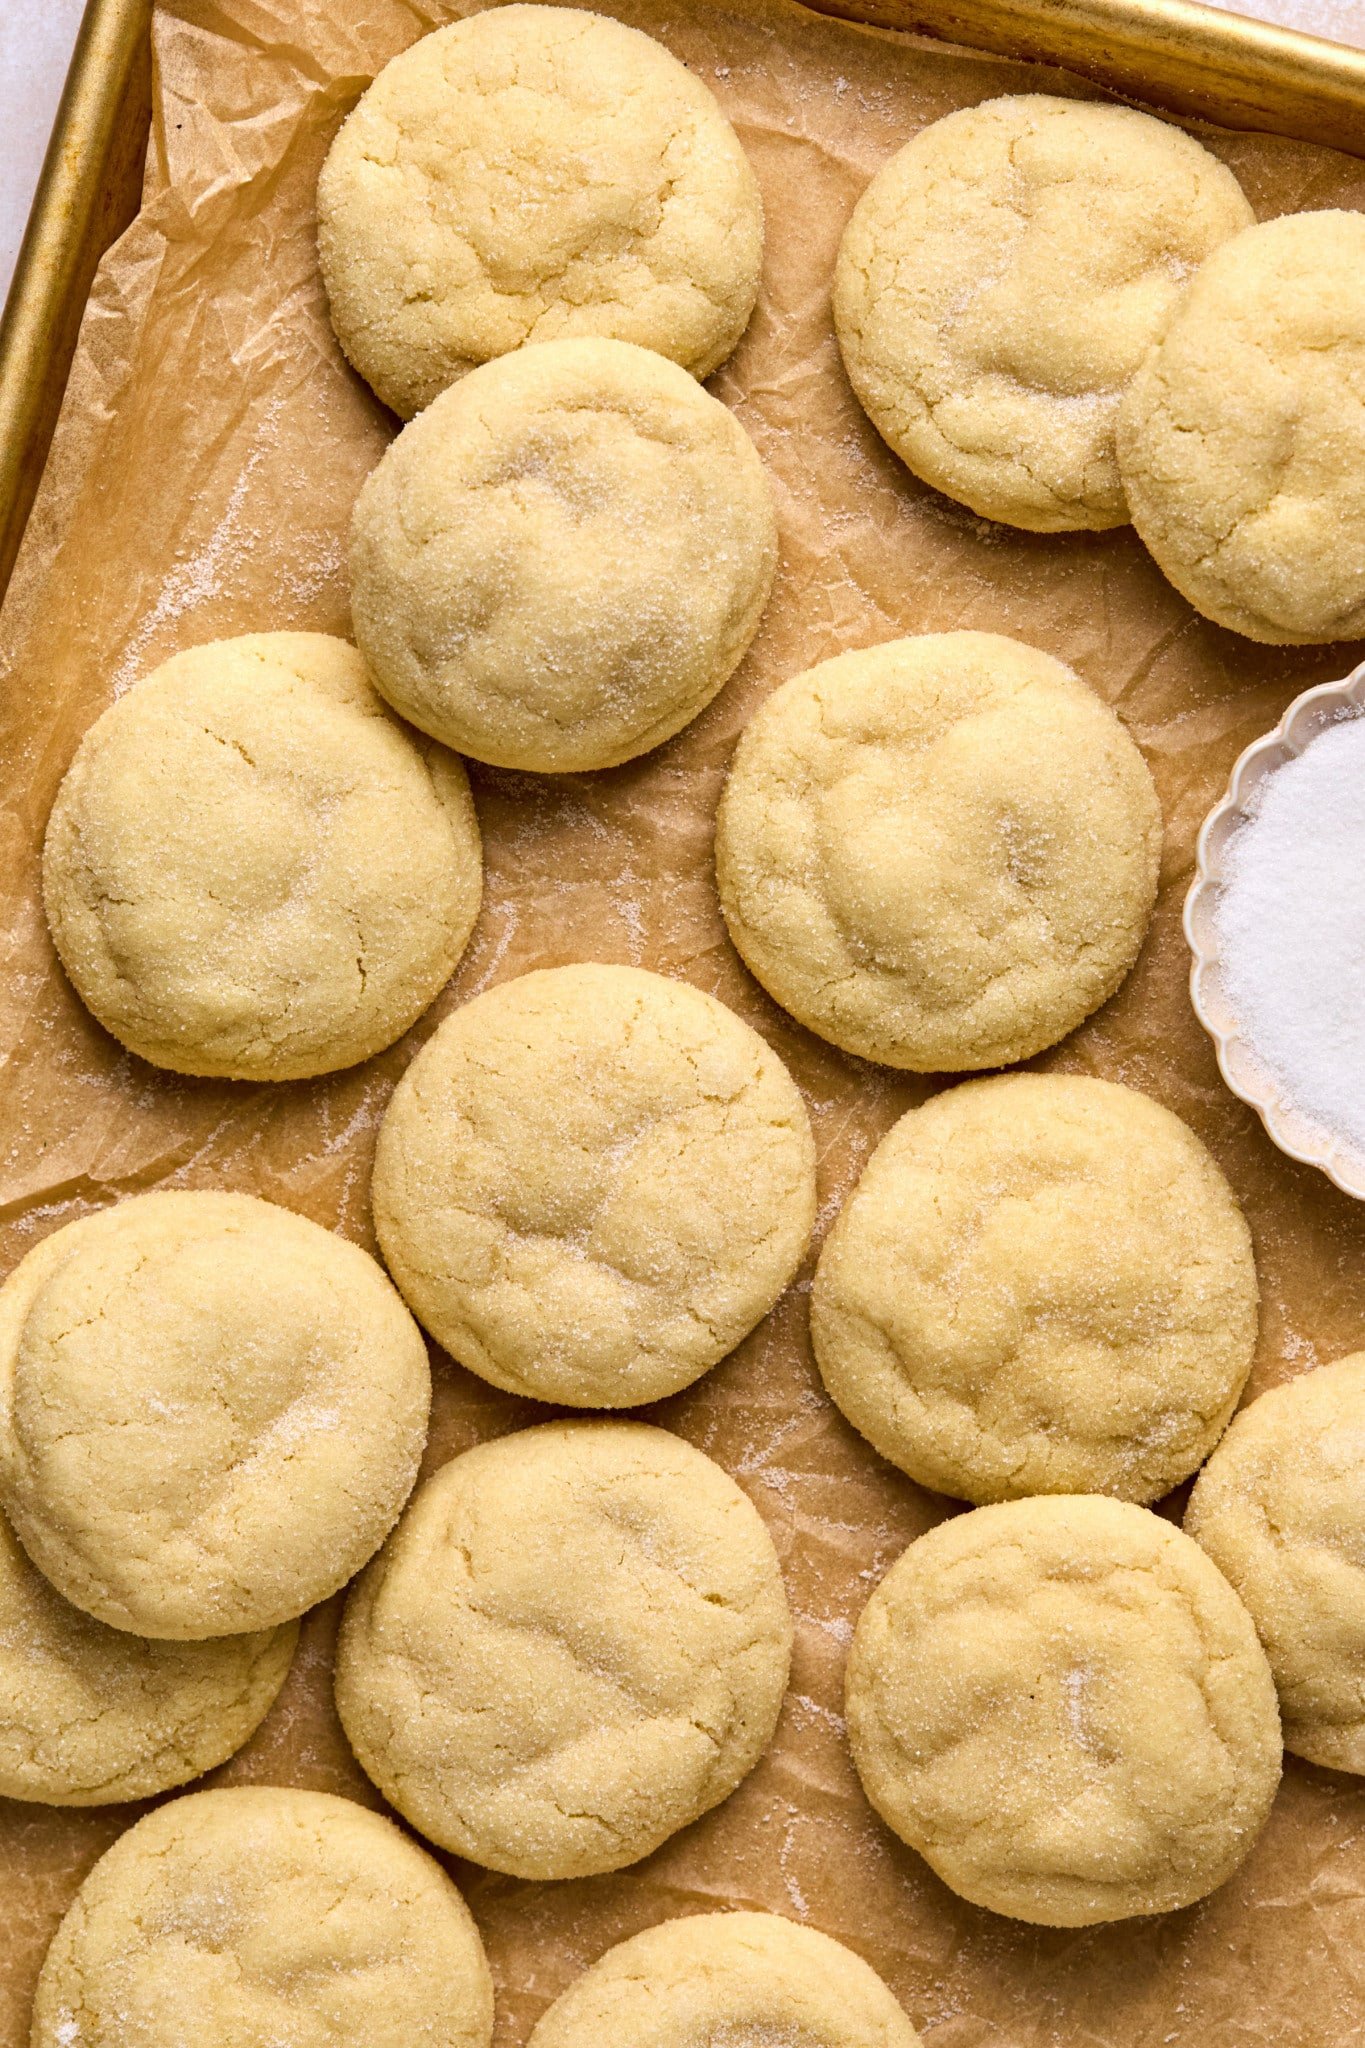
(88, 193)
(1173, 53)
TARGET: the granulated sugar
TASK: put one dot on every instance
(1290, 921)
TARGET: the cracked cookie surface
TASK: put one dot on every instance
(560, 563)
(1242, 438)
(940, 853)
(727, 1980)
(90, 1716)
(1041, 1284)
(211, 1412)
(1062, 1705)
(252, 870)
(526, 174)
(258, 1916)
(1280, 1508)
(1001, 280)
(575, 1642)
(592, 1182)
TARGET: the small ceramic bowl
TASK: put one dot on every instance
(1300, 1136)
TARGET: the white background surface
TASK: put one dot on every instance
(35, 45)
(36, 38)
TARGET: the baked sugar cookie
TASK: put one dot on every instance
(727, 1978)
(1242, 438)
(940, 853)
(528, 173)
(259, 1916)
(1063, 1707)
(252, 870)
(575, 1642)
(1042, 1284)
(592, 1182)
(1280, 1508)
(90, 1716)
(558, 565)
(211, 1412)
(1001, 280)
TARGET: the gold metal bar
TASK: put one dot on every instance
(91, 181)
(1175, 53)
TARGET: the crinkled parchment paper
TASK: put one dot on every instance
(210, 448)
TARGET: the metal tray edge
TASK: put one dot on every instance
(1175, 54)
(88, 192)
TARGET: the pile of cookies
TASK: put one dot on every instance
(538, 232)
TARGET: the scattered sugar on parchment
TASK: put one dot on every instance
(1290, 923)
(199, 578)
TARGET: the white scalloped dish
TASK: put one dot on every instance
(1298, 1134)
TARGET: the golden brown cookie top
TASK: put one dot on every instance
(940, 853)
(252, 870)
(560, 562)
(90, 1715)
(258, 1914)
(211, 1412)
(727, 1978)
(1242, 438)
(1041, 1284)
(1280, 1508)
(592, 1182)
(1063, 1706)
(575, 1642)
(1001, 280)
(526, 174)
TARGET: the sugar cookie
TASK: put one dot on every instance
(1063, 1706)
(558, 565)
(1042, 1284)
(260, 1916)
(1001, 280)
(592, 1182)
(1242, 438)
(90, 1716)
(1280, 1508)
(575, 1643)
(211, 1412)
(940, 853)
(727, 1978)
(252, 871)
(527, 173)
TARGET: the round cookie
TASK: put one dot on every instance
(1001, 280)
(1062, 1705)
(211, 1412)
(558, 565)
(1042, 1284)
(90, 1716)
(252, 871)
(530, 173)
(1242, 438)
(575, 1643)
(260, 1916)
(727, 1978)
(592, 1182)
(1280, 1508)
(940, 853)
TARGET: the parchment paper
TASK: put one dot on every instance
(203, 473)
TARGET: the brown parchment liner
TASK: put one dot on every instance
(210, 448)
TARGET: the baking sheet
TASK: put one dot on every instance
(210, 447)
